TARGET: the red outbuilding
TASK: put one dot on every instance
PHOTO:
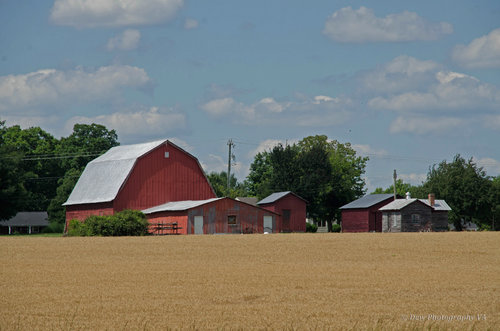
(363, 215)
(137, 177)
(211, 216)
(290, 207)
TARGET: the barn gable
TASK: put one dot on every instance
(104, 176)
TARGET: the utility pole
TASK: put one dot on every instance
(394, 176)
(230, 159)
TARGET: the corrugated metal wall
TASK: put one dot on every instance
(248, 218)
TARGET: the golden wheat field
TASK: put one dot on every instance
(281, 281)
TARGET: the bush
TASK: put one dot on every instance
(311, 227)
(336, 227)
(77, 228)
(124, 223)
(54, 228)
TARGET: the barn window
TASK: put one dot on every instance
(231, 220)
(415, 218)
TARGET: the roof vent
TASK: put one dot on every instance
(408, 196)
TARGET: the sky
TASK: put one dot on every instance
(406, 83)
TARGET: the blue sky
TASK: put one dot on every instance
(407, 83)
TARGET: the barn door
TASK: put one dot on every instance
(198, 225)
(268, 224)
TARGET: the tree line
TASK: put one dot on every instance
(38, 171)
(472, 195)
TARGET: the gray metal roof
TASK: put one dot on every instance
(439, 205)
(104, 176)
(367, 201)
(178, 205)
(398, 204)
(273, 197)
(32, 218)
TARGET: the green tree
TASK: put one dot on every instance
(56, 210)
(402, 188)
(85, 143)
(494, 198)
(218, 180)
(39, 165)
(465, 187)
(325, 173)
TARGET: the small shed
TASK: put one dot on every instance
(363, 215)
(290, 207)
(210, 216)
(26, 222)
(414, 215)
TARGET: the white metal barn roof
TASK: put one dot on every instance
(104, 176)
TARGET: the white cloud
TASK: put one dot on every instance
(348, 25)
(57, 88)
(111, 13)
(127, 41)
(423, 125)
(216, 163)
(154, 121)
(401, 74)
(190, 23)
(492, 122)
(449, 91)
(319, 110)
(483, 52)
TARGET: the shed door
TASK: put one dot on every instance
(198, 225)
(268, 224)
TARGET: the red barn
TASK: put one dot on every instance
(290, 207)
(363, 215)
(137, 177)
(211, 216)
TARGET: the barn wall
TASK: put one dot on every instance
(81, 212)
(164, 218)
(156, 179)
(297, 209)
(355, 220)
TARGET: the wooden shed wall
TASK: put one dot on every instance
(156, 179)
(439, 221)
(180, 218)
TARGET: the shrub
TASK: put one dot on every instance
(124, 223)
(311, 227)
(77, 228)
(54, 228)
(336, 227)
